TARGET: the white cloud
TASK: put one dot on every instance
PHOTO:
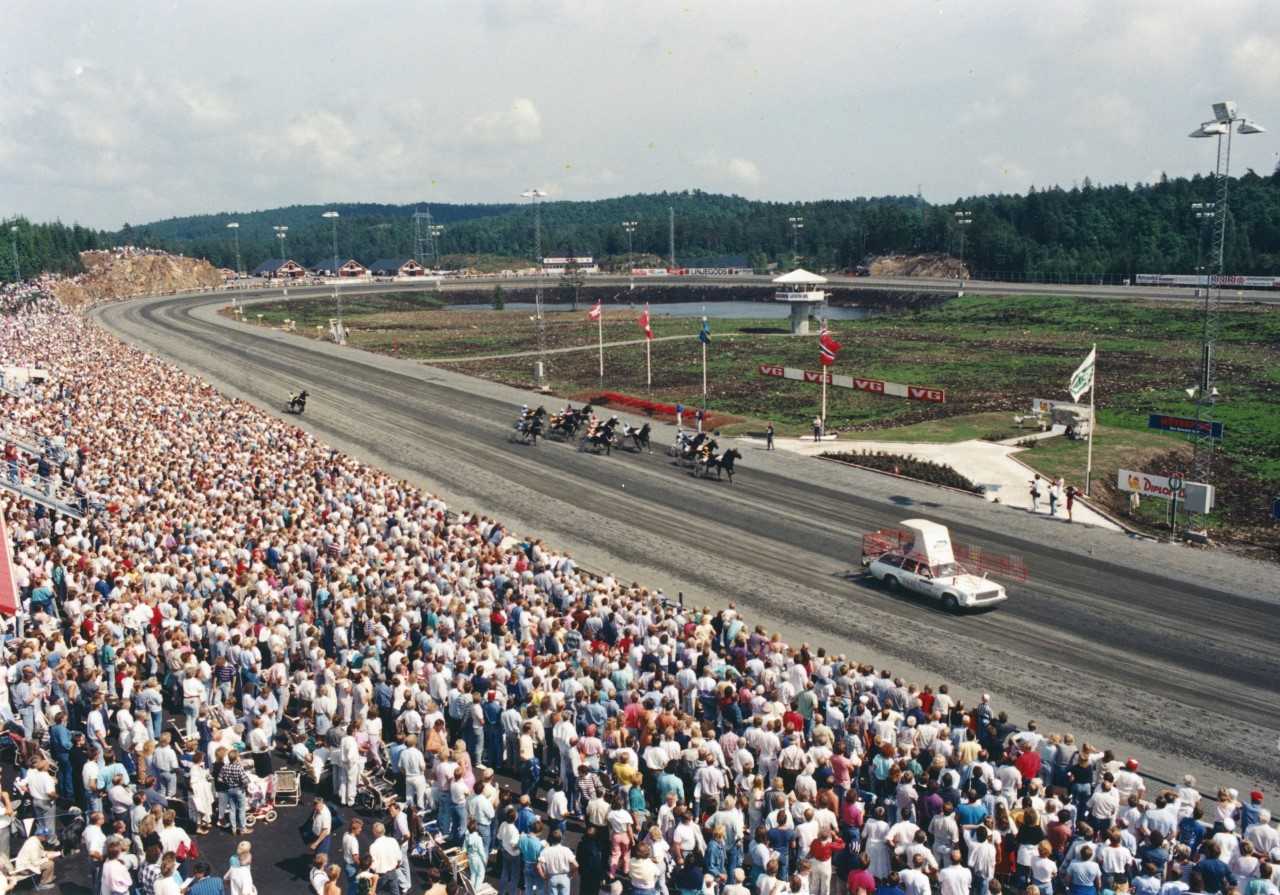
(520, 123)
(743, 170)
(1256, 62)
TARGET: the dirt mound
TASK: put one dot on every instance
(932, 265)
(116, 274)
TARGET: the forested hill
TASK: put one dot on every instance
(44, 248)
(1055, 233)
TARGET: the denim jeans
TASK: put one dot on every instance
(509, 883)
(533, 883)
(238, 803)
(558, 884)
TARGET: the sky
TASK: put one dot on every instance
(134, 111)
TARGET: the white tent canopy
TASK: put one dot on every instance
(800, 277)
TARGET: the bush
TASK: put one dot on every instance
(910, 467)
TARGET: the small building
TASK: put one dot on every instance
(397, 267)
(329, 267)
(279, 267)
(799, 288)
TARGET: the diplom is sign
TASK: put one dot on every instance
(1197, 497)
(858, 383)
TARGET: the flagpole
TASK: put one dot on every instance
(1093, 384)
(824, 401)
(704, 375)
(648, 365)
(825, 368)
(600, 336)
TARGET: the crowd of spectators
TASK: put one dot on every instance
(244, 585)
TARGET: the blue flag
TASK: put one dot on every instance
(704, 336)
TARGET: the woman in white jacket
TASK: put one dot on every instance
(201, 794)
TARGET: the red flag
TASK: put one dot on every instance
(8, 588)
(828, 347)
(595, 312)
(644, 323)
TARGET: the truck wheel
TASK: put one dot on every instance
(950, 603)
(890, 582)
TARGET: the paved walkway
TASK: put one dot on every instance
(1004, 480)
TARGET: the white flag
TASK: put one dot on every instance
(1082, 378)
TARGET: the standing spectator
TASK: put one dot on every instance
(384, 858)
(817, 428)
(321, 826)
(235, 783)
(768, 437)
(239, 876)
(955, 878)
(351, 852)
(593, 861)
(1035, 493)
(1072, 493)
(556, 864)
(43, 790)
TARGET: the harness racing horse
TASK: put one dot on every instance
(528, 428)
(686, 448)
(602, 436)
(639, 437)
(567, 423)
(720, 463)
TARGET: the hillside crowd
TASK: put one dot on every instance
(245, 586)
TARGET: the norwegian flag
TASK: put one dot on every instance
(644, 323)
(595, 312)
(828, 347)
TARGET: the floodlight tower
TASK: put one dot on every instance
(17, 270)
(434, 231)
(964, 220)
(234, 227)
(630, 228)
(1225, 118)
(332, 217)
(797, 224)
(282, 233)
(534, 195)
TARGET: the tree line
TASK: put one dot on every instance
(1054, 233)
(44, 248)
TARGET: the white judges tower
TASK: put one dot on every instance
(799, 288)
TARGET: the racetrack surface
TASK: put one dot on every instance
(1165, 652)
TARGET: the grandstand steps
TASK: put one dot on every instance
(38, 489)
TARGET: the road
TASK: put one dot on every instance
(879, 284)
(1166, 653)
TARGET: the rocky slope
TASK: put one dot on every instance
(122, 273)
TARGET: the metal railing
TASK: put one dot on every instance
(54, 495)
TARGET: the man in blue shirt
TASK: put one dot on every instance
(202, 883)
(60, 747)
(1215, 872)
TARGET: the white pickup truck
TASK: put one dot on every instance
(919, 558)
